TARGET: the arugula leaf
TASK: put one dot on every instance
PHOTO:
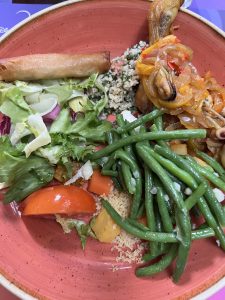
(83, 229)
(101, 104)
(72, 147)
(87, 83)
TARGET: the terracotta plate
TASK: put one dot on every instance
(35, 254)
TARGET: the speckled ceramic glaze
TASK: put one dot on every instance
(34, 253)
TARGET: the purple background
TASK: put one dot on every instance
(11, 14)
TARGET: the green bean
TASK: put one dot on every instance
(205, 225)
(141, 210)
(109, 137)
(140, 121)
(202, 233)
(120, 176)
(109, 173)
(203, 206)
(213, 163)
(126, 172)
(117, 184)
(137, 224)
(209, 175)
(143, 130)
(150, 256)
(159, 266)
(155, 128)
(163, 210)
(152, 236)
(128, 179)
(175, 179)
(161, 135)
(145, 154)
(108, 165)
(159, 226)
(145, 235)
(159, 123)
(194, 197)
(173, 169)
(111, 161)
(127, 148)
(183, 219)
(149, 208)
(138, 183)
(212, 201)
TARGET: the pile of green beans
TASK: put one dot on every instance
(141, 163)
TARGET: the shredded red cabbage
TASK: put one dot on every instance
(48, 118)
(5, 125)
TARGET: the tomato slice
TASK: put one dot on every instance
(100, 184)
(60, 199)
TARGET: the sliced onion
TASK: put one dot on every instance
(33, 98)
(47, 102)
(51, 116)
(85, 172)
(127, 116)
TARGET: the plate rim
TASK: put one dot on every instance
(15, 288)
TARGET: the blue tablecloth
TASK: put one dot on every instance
(11, 13)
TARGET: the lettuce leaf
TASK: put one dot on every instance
(28, 176)
(15, 95)
(97, 133)
(62, 122)
(86, 125)
(63, 93)
(23, 175)
(81, 123)
(14, 112)
(83, 230)
(39, 129)
(28, 88)
(20, 130)
(13, 104)
(9, 158)
(52, 153)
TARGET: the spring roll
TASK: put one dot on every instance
(53, 66)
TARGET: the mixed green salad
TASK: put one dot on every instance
(47, 123)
